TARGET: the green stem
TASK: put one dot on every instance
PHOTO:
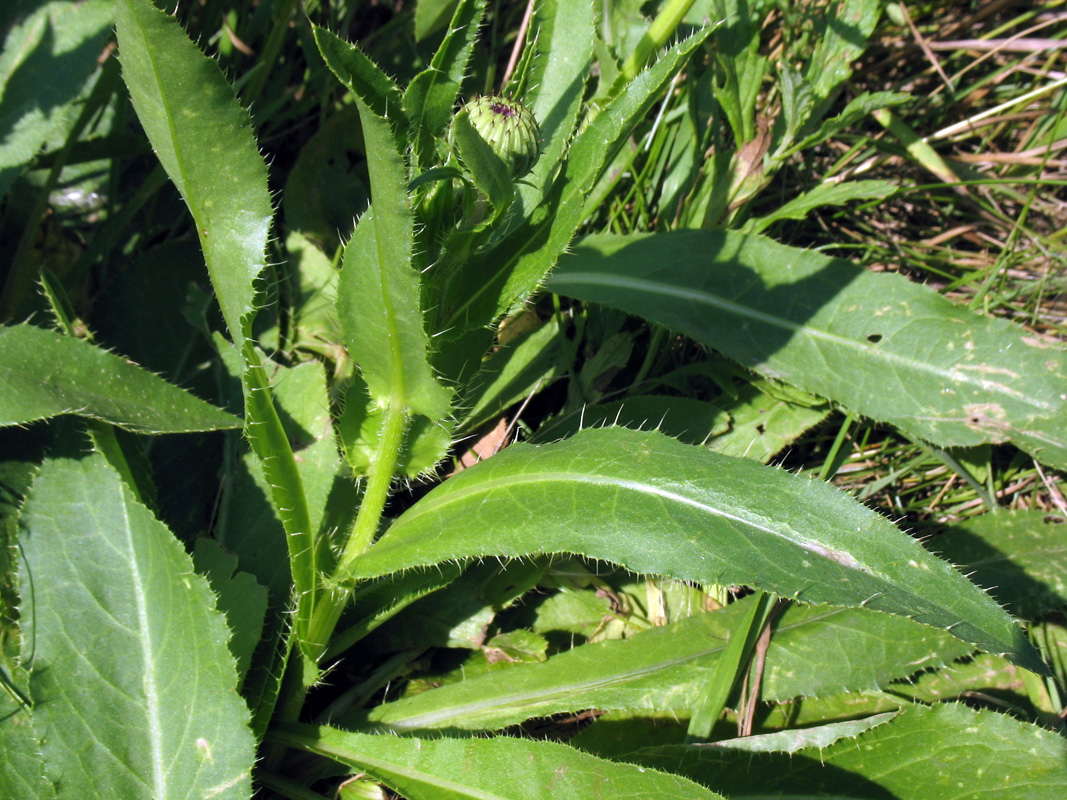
(335, 591)
(662, 28)
(378, 482)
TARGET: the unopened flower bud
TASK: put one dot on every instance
(509, 128)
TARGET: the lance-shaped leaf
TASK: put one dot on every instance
(948, 752)
(204, 141)
(430, 98)
(657, 506)
(502, 768)
(814, 651)
(133, 683)
(877, 344)
(563, 46)
(45, 374)
(378, 294)
(365, 80)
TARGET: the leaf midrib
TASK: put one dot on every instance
(152, 701)
(690, 294)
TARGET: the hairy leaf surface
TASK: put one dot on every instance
(813, 651)
(126, 639)
(657, 506)
(948, 752)
(489, 769)
(45, 374)
(203, 139)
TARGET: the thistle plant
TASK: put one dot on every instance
(268, 605)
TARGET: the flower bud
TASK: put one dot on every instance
(509, 128)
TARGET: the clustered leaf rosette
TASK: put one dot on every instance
(509, 128)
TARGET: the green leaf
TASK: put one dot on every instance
(204, 140)
(366, 81)
(737, 49)
(825, 194)
(378, 306)
(656, 506)
(948, 752)
(430, 98)
(430, 15)
(240, 598)
(45, 374)
(689, 421)
(22, 772)
(841, 41)
(858, 108)
(513, 372)
(562, 48)
(814, 651)
(46, 60)
(1018, 555)
(764, 420)
(126, 639)
(878, 344)
(511, 769)
(267, 437)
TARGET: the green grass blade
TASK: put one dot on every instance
(877, 344)
(45, 374)
(656, 506)
(487, 769)
(731, 668)
(127, 639)
(204, 140)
